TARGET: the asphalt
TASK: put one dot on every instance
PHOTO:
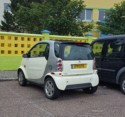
(17, 101)
(30, 101)
(8, 75)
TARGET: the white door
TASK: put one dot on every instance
(36, 62)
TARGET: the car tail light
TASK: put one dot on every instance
(59, 64)
(94, 64)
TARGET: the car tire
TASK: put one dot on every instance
(122, 84)
(21, 78)
(91, 90)
(50, 89)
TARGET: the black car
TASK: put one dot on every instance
(109, 53)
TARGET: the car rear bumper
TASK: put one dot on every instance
(78, 86)
(76, 81)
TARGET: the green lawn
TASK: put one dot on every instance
(10, 62)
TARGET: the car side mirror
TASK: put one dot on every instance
(26, 55)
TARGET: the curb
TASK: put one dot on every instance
(7, 79)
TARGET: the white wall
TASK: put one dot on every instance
(2, 8)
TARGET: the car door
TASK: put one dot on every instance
(97, 49)
(112, 60)
(37, 61)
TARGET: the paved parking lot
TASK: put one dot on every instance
(30, 101)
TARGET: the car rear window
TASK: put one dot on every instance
(76, 51)
(56, 49)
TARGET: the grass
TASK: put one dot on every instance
(10, 62)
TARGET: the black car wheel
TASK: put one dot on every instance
(50, 89)
(122, 84)
(21, 78)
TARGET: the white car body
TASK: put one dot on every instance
(66, 73)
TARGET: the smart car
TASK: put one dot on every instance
(59, 66)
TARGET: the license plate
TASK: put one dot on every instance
(79, 66)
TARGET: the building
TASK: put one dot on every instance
(4, 6)
(95, 9)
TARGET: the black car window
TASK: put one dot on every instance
(56, 49)
(76, 52)
(114, 49)
(97, 48)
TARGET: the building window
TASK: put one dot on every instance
(101, 15)
(7, 7)
(86, 15)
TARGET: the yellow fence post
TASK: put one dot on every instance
(45, 33)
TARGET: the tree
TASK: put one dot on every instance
(58, 16)
(9, 23)
(115, 20)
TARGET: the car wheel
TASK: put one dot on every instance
(122, 84)
(50, 89)
(91, 90)
(21, 79)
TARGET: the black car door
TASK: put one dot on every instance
(97, 49)
(112, 60)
